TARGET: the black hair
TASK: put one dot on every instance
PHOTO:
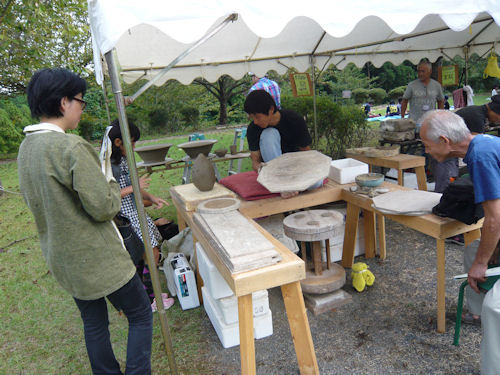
(400, 100)
(116, 133)
(391, 102)
(48, 86)
(259, 101)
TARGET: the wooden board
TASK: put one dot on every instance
(189, 196)
(373, 152)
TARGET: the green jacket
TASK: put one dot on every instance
(73, 205)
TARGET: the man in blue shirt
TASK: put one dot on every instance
(444, 135)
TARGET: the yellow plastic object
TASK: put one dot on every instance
(492, 69)
(361, 276)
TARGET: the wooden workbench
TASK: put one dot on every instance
(399, 162)
(437, 227)
(287, 274)
(431, 225)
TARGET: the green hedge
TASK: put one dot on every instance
(339, 126)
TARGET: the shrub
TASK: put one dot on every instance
(10, 136)
(190, 116)
(378, 95)
(397, 92)
(339, 126)
(360, 95)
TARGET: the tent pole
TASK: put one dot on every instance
(122, 118)
(314, 103)
(466, 54)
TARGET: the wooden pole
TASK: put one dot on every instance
(122, 118)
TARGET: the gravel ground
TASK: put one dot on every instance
(390, 328)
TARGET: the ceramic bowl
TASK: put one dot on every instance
(221, 152)
(369, 179)
(153, 153)
(193, 148)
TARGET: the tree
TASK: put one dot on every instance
(224, 89)
(38, 34)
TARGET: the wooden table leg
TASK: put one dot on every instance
(471, 236)
(381, 236)
(401, 178)
(199, 279)
(316, 255)
(247, 343)
(351, 231)
(303, 251)
(181, 223)
(421, 179)
(441, 323)
(299, 327)
(369, 229)
(328, 255)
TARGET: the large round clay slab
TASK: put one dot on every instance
(218, 205)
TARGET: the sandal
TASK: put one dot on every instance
(468, 318)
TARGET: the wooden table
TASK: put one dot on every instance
(437, 227)
(399, 162)
(287, 274)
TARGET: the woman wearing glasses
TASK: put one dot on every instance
(73, 205)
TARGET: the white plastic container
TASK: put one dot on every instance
(212, 279)
(228, 307)
(344, 171)
(229, 334)
(181, 279)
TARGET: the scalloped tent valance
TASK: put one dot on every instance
(275, 35)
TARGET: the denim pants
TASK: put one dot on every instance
(134, 302)
(270, 148)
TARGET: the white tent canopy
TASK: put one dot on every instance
(275, 35)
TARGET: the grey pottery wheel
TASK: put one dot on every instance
(153, 153)
(193, 148)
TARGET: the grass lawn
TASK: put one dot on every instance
(39, 322)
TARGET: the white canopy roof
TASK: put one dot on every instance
(275, 35)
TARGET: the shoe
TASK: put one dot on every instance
(167, 302)
(468, 318)
(457, 240)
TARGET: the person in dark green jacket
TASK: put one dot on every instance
(73, 204)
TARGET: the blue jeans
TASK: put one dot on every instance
(270, 148)
(134, 302)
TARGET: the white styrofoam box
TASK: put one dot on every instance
(228, 306)
(212, 279)
(274, 225)
(337, 242)
(344, 171)
(229, 334)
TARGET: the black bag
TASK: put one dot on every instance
(132, 241)
(457, 202)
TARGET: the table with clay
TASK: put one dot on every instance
(437, 227)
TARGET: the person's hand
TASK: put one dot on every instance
(158, 202)
(127, 100)
(476, 274)
(256, 166)
(144, 182)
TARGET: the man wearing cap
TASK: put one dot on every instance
(476, 116)
(444, 135)
(267, 84)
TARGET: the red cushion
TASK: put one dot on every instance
(246, 186)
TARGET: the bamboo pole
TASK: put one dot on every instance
(122, 118)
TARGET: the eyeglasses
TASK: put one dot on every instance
(82, 102)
